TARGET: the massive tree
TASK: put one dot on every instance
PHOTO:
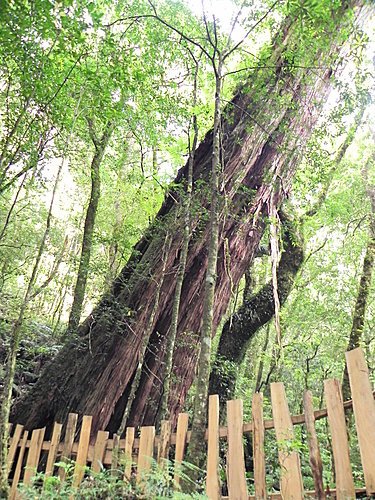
(264, 129)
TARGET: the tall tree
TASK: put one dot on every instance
(100, 145)
(264, 128)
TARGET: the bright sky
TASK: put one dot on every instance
(224, 10)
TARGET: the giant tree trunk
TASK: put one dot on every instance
(264, 128)
(254, 313)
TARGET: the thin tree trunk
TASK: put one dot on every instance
(15, 337)
(170, 344)
(360, 307)
(84, 262)
(196, 451)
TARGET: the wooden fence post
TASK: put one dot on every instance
(18, 471)
(83, 448)
(146, 451)
(99, 450)
(364, 413)
(212, 479)
(181, 434)
(68, 442)
(258, 447)
(236, 462)
(34, 454)
(340, 447)
(291, 479)
(128, 454)
(164, 441)
(53, 449)
(14, 445)
(314, 451)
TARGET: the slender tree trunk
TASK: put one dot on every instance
(12, 207)
(360, 307)
(15, 337)
(84, 262)
(171, 340)
(262, 136)
(197, 446)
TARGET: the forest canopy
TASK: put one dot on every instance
(187, 205)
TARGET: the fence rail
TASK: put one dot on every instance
(28, 451)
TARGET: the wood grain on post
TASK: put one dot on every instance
(34, 453)
(340, 446)
(212, 479)
(146, 451)
(364, 413)
(258, 447)
(115, 454)
(53, 449)
(236, 463)
(99, 450)
(164, 442)
(128, 453)
(291, 479)
(68, 442)
(17, 472)
(181, 434)
(314, 451)
(83, 449)
(14, 441)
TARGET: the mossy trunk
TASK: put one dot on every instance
(254, 313)
(88, 231)
(264, 129)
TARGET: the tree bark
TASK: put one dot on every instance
(84, 262)
(264, 128)
(360, 307)
(254, 313)
(15, 337)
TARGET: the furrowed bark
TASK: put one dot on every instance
(254, 313)
(264, 129)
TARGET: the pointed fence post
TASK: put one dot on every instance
(128, 453)
(181, 435)
(83, 448)
(340, 447)
(314, 451)
(33, 455)
(291, 479)
(237, 487)
(164, 442)
(53, 449)
(364, 413)
(212, 479)
(145, 452)
(258, 447)
(68, 442)
(99, 450)
(14, 445)
(18, 471)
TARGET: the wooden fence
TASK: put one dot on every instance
(28, 451)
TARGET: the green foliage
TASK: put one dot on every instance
(108, 484)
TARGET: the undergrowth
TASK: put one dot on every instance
(158, 483)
